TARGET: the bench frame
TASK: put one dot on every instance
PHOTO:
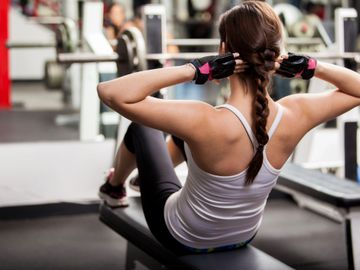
(130, 223)
(325, 194)
(328, 195)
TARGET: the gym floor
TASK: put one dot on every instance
(299, 238)
(70, 236)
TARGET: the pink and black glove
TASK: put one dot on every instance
(213, 67)
(296, 66)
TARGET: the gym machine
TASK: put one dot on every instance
(66, 41)
(57, 75)
(313, 151)
(132, 56)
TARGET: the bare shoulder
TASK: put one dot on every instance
(293, 124)
(304, 111)
(215, 125)
(291, 103)
(292, 108)
(210, 121)
(313, 109)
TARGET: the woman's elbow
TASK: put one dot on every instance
(104, 93)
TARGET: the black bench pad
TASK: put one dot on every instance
(130, 223)
(325, 187)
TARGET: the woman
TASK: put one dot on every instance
(114, 20)
(235, 151)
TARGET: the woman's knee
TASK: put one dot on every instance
(137, 133)
(144, 132)
(129, 136)
(136, 128)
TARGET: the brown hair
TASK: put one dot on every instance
(254, 30)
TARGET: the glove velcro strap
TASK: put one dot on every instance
(206, 70)
(203, 72)
(309, 72)
(312, 63)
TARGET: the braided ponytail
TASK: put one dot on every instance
(253, 29)
(260, 112)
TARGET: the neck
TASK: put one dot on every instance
(240, 96)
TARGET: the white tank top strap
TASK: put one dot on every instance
(246, 125)
(277, 120)
(243, 121)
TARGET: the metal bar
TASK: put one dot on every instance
(303, 41)
(70, 58)
(30, 44)
(349, 246)
(353, 238)
(47, 20)
(178, 56)
(334, 55)
(194, 42)
(187, 56)
(215, 42)
(350, 146)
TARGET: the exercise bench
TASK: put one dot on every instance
(130, 223)
(329, 195)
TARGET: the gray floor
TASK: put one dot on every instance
(34, 126)
(33, 95)
(299, 238)
(33, 115)
(69, 242)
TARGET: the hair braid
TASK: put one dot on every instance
(261, 113)
(259, 49)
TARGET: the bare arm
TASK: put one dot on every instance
(130, 96)
(314, 109)
(344, 79)
(137, 86)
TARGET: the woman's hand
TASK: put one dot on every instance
(240, 65)
(297, 66)
(279, 60)
(217, 67)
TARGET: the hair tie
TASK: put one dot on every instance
(260, 148)
(269, 54)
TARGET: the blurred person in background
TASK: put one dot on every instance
(114, 20)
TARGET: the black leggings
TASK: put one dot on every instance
(157, 178)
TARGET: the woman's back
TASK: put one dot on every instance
(226, 148)
(225, 202)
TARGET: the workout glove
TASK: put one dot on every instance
(213, 67)
(297, 66)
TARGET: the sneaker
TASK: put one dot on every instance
(134, 183)
(114, 196)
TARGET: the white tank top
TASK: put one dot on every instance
(212, 211)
